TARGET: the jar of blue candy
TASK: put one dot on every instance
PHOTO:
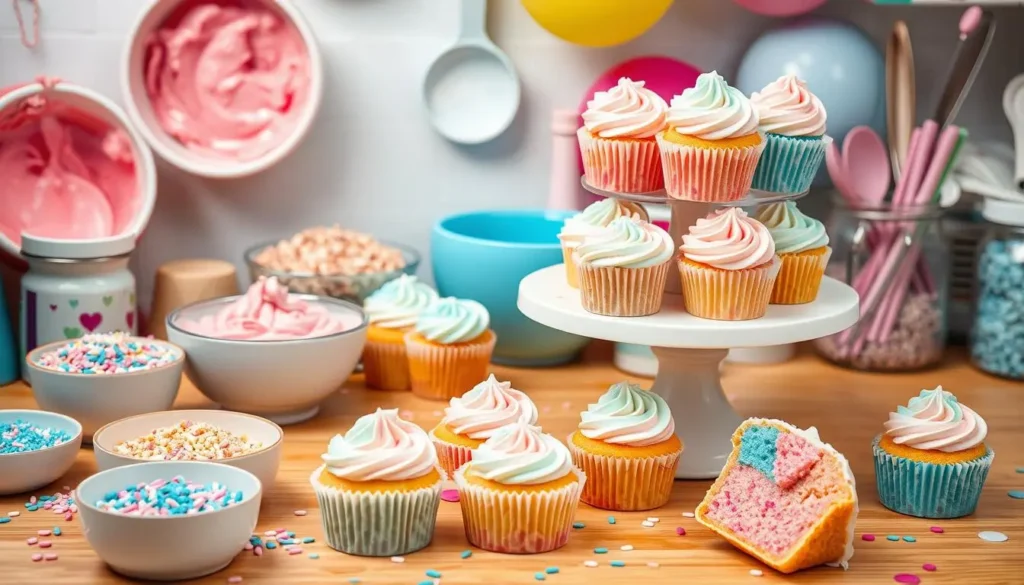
(997, 336)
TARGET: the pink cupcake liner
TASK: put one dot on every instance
(710, 175)
(621, 165)
(450, 456)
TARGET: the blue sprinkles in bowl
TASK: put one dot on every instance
(22, 437)
(175, 497)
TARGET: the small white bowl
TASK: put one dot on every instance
(140, 110)
(263, 463)
(169, 548)
(282, 380)
(24, 472)
(97, 399)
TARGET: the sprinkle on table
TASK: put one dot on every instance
(551, 570)
(680, 531)
(56, 531)
(611, 519)
(466, 554)
(993, 536)
(50, 557)
(397, 559)
(314, 556)
(189, 441)
(354, 580)
(618, 563)
(600, 550)
(450, 495)
(929, 567)
(893, 538)
(1016, 494)
(867, 537)
(235, 579)
(164, 498)
(653, 565)
(22, 437)
(539, 576)
(36, 557)
(1020, 470)
(653, 519)
(578, 525)
(14, 514)
(433, 574)
(4, 520)
(937, 529)
(909, 539)
(626, 547)
(300, 512)
(756, 573)
(590, 564)
(689, 515)
(906, 578)
(108, 353)
(647, 524)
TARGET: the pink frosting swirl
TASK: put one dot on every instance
(787, 107)
(267, 312)
(935, 421)
(627, 110)
(381, 447)
(486, 408)
(730, 240)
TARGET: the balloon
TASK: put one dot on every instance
(597, 23)
(837, 60)
(780, 7)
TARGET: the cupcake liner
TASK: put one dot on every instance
(727, 295)
(449, 455)
(621, 165)
(928, 490)
(789, 164)
(711, 175)
(622, 292)
(386, 365)
(442, 372)
(800, 277)
(377, 524)
(518, 522)
(572, 274)
(625, 484)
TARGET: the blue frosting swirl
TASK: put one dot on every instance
(451, 320)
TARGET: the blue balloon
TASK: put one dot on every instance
(840, 64)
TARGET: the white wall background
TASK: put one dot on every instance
(373, 163)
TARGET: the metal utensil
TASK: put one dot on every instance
(900, 93)
(967, 60)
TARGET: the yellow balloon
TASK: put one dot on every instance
(597, 23)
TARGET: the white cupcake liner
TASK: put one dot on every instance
(728, 295)
(621, 292)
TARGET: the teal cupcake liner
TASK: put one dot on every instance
(928, 490)
(789, 164)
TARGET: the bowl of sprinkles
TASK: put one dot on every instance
(169, 520)
(104, 377)
(36, 448)
(233, 438)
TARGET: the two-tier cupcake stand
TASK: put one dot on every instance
(690, 349)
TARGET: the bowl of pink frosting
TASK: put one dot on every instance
(222, 88)
(269, 352)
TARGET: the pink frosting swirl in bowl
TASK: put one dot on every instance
(486, 408)
(730, 240)
(787, 107)
(627, 110)
(935, 421)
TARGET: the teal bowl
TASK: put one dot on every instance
(482, 255)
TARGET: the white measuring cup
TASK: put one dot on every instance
(472, 89)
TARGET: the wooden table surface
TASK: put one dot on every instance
(847, 407)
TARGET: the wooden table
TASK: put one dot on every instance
(847, 407)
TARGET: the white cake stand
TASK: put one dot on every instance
(690, 349)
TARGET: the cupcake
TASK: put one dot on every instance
(793, 122)
(379, 487)
(589, 222)
(623, 268)
(617, 138)
(932, 461)
(392, 311)
(627, 447)
(519, 492)
(710, 147)
(802, 246)
(475, 417)
(728, 266)
(449, 348)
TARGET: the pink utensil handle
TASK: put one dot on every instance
(919, 164)
(901, 184)
(889, 309)
(563, 190)
(943, 150)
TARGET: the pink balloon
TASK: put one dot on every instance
(780, 7)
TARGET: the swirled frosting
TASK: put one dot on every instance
(381, 447)
(598, 215)
(450, 320)
(627, 243)
(628, 415)
(935, 421)
(398, 303)
(791, 230)
(730, 240)
(627, 110)
(520, 454)
(712, 110)
(785, 106)
(490, 405)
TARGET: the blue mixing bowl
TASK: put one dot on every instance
(482, 255)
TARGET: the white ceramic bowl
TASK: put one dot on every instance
(282, 380)
(169, 548)
(140, 109)
(263, 463)
(97, 399)
(24, 472)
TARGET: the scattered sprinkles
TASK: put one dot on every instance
(466, 554)
(551, 570)
(647, 524)
(680, 531)
(868, 537)
(909, 539)
(176, 497)
(433, 574)
(36, 557)
(450, 495)
(314, 556)
(578, 525)
(1016, 494)
(893, 538)
(653, 565)
(300, 512)
(21, 437)
(689, 515)
(4, 520)
(600, 550)
(397, 559)
(235, 579)
(929, 567)
(626, 547)
(993, 536)
(590, 564)
(188, 441)
(611, 519)
(653, 519)
(14, 514)
(618, 563)
(539, 576)
(937, 529)
(107, 353)
(906, 578)
(756, 573)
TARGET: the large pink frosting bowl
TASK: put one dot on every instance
(222, 88)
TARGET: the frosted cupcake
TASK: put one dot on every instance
(627, 447)
(623, 268)
(617, 138)
(728, 266)
(589, 222)
(519, 493)
(802, 245)
(793, 122)
(932, 461)
(392, 311)
(449, 348)
(475, 416)
(379, 487)
(711, 145)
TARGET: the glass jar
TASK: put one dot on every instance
(997, 335)
(898, 261)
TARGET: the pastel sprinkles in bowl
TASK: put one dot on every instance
(188, 441)
(108, 353)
